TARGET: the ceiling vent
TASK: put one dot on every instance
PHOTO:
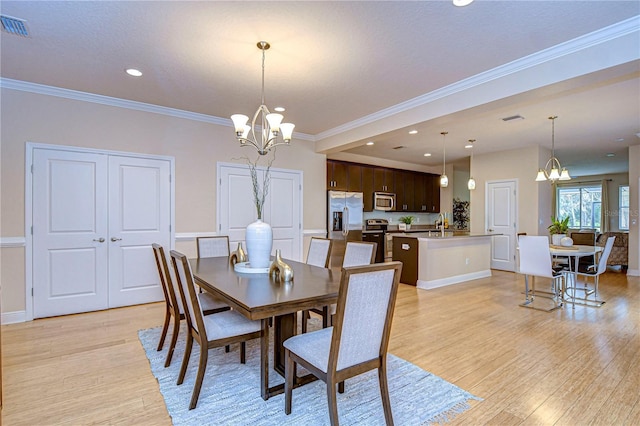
(14, 26)
(513, 117)
(399, 147)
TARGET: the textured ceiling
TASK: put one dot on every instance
(332, 63)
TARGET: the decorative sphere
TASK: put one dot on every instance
(566, 242)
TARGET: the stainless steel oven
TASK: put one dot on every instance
(384, 201)
(375, 231)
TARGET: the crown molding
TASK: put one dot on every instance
(41, 89)
(603, 35)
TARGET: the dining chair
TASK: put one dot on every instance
(356, 254)
(319, 252)
(213, 246)
(359, 253)
(210, 331)
(595, 271)
(358, 340)
(535, 261)
(173, 304)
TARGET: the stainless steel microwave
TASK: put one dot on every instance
(384, 201)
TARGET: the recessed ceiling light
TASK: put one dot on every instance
(610, 154)
(461, 3)
(427, 154)
(620, 140)
(370, 143)
(133, 72)
(279, 109)
(413, 132)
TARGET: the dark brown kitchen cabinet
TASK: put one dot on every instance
(354, 178)
(368, 187)
(383, 180)
(420, 194)
(435, 193)
(336, 175)
(404, 188)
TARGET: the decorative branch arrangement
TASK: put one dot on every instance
(260, 191)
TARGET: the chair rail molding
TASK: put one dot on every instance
(10, 242)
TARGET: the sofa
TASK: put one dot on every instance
(620, 251)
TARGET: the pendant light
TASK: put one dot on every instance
(444, 180)
(471, 184)
(551, 171)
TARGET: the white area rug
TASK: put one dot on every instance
(230, 392)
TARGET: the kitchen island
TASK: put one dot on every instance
(431, 261)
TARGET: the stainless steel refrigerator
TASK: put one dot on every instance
(345, 221)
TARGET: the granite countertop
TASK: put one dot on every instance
(436, 234)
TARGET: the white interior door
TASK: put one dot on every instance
(501, 222)
(95, 215)
(283, 212)
(282, 209)
(70, 248)
(139, 215)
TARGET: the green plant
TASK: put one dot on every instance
(406, 219)
(558, 226)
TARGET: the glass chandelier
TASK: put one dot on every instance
(551, 171)
(444, 180)
(271, 125)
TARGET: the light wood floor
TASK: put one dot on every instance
(568, 367)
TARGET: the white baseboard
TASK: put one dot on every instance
(457, 279)
(633, 272)
(13, 317)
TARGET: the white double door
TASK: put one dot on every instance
(282, 208)
(94, 219)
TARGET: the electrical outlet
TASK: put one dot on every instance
(466, 261)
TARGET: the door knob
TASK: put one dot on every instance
(114, 239)
(490, 230)
(100, 240)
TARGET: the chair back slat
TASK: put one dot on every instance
(213, 246)
(190, 300)
(319, 252)
(363, 317)
(171, 290)
(535, 256)
(359, 253)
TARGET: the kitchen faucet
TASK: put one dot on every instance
(441, 218)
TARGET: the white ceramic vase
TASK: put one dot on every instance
(259, 238)
(556, 238)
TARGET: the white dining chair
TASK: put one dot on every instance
(358, 340)
(213, 246)
(358, 253)
(594, 271)
(535, 261)
(209, 331)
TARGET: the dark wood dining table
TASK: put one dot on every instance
(259, 297)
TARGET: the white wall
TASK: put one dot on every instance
(196, 146)
(520, 165)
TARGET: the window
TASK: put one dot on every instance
(623, 208)
(583, 205)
